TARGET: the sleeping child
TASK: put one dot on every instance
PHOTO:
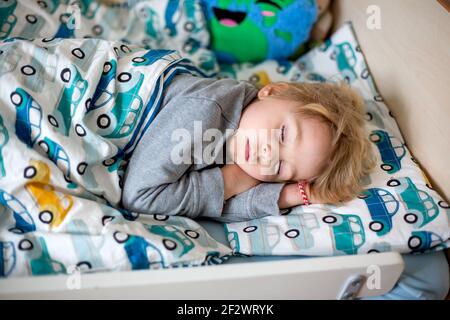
(222, 149)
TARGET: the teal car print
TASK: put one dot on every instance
(41, 68)
(40, 261)
(420, 207)
(173, 239)
(75, 87)
(422, 241)
(207, 61)
(88, 252)
(347, 231)
(49, 5)
(88, 8)
(33, 26)
(28, 117)
(7, 18)
(382, 207)
(7, 258)
(23, 221)
(300, 227)
(10, 57)
(150, 57)
(190, 229)
(374, 113)
(82, 56)
(391, 155)
(191, 46)
(380, 247)
(174, 12)
(128, 105)
(146, 19)
(233, 239)
(116, 162)
(141, 254)
(346, 61)
(283, 66)
(263, 236)
(4, 138)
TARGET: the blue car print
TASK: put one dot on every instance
(57, 155)
(75, 87)
(4, 138)
(23, 221)
(315, 77)
(141, 254)
(382, 207)
(7, 258)
(422, 241)
(391, 155)
(104, 93)
(172, 16)
(7, 18)
(28, 117)
(150, 57)
(66, 28)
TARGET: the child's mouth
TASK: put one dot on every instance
(247, 150)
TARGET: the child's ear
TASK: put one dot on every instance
(265, 91)
(270, 89)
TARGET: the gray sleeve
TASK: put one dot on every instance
(257, 202)
(154, 184)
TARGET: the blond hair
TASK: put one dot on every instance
(351, 156)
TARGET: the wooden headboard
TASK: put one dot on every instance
(409, 57)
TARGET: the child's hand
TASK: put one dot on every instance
(290, 196)
(236, 180)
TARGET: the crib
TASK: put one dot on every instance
(406, 55)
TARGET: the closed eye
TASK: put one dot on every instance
(282, 133)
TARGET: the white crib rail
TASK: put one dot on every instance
(314, 278)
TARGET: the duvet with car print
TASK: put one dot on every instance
(71, 113)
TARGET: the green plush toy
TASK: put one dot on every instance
(256, 30)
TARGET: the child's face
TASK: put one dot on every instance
(273, 144)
